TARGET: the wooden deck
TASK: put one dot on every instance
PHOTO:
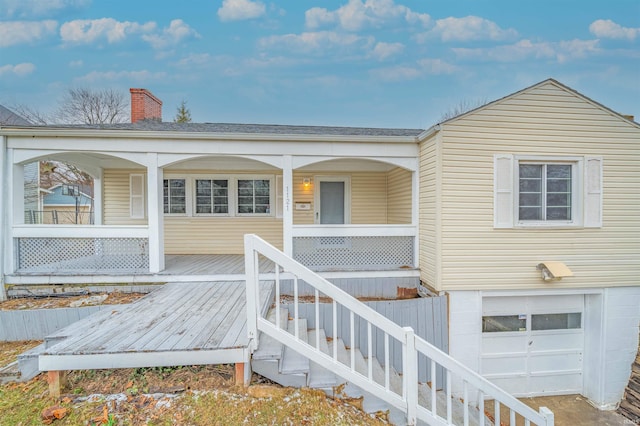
(178, 324)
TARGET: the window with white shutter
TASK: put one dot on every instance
(546, 191)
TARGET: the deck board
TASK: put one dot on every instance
(190, 323)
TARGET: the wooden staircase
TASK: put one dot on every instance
(285, 366)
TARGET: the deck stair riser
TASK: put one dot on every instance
(288, 368)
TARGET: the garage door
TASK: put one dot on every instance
(533, 345)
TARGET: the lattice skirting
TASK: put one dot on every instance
(82, 255)
(354, 253)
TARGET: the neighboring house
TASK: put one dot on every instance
(525, 211)
(63, 206)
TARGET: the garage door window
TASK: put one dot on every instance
(568, 321)
(501, 323)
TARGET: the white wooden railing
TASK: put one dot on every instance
(412, 345)
(73, 248)
(354, 247)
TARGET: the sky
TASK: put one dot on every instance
(361, 63)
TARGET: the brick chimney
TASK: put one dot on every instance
(145, 106)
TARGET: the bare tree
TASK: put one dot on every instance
(32, 115)
(462, 107)
(87, 106)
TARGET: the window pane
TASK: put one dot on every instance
(555, 171)
(568, 321)
(174, 196)
(530, 213)
(530, 185)
(531, 171)
(494, 324)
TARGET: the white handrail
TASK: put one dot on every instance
(412, 346)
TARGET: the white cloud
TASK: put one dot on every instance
(321, 41)
(525, 49)
(127, 76)
(383, 50)
(83, 31)
(422, 67)
(27, 8)
(177, 31)
(357, 15)
(237, 10)
(76, 64)
(20, 70)
(606, 28)
(467, 29)
(19, 32)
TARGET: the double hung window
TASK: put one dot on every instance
(545, 192)
(212, 196)
(254, 196)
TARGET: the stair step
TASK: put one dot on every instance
(270, 368)
(292, 361)
(320, 377)
(10, 373)
(28, 362)
(268, 347)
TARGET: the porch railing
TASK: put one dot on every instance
(81, 248)
(354, 247)
(374, 323)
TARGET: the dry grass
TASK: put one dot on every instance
(194, 395)
(9, 351)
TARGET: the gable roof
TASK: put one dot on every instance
(9, 117)
(549, 81)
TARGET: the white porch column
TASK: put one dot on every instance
(155, 214)
(287, 201)
(97, 198)
(415, 214)
(4, 229)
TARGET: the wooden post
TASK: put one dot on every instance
(56, 380)
(240, 370)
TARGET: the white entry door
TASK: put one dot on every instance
(332, 200)
(534, 345)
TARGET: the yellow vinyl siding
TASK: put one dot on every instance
(544, 121)
(399, 196)
(369, 192)
(217, 235)
(116, 197)
(368, 198)
(428, 213)
(302, 195)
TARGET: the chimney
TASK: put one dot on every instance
(145, 106)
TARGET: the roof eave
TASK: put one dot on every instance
(144, 134)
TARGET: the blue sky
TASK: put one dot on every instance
(377, 63)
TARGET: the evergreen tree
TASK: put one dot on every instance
(183, 115)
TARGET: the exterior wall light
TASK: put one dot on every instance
(553, 270)
(306, 183)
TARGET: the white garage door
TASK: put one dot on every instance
(533, 345)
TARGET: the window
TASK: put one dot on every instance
(174, 196)
(212, 196)
(254, 196)
(502, 323)
(545, 192)
(566, 321)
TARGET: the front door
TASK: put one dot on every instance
(331, 201)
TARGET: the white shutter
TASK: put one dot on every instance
(136, 196)
(279, 197)
(593, 192)
(503, 191)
